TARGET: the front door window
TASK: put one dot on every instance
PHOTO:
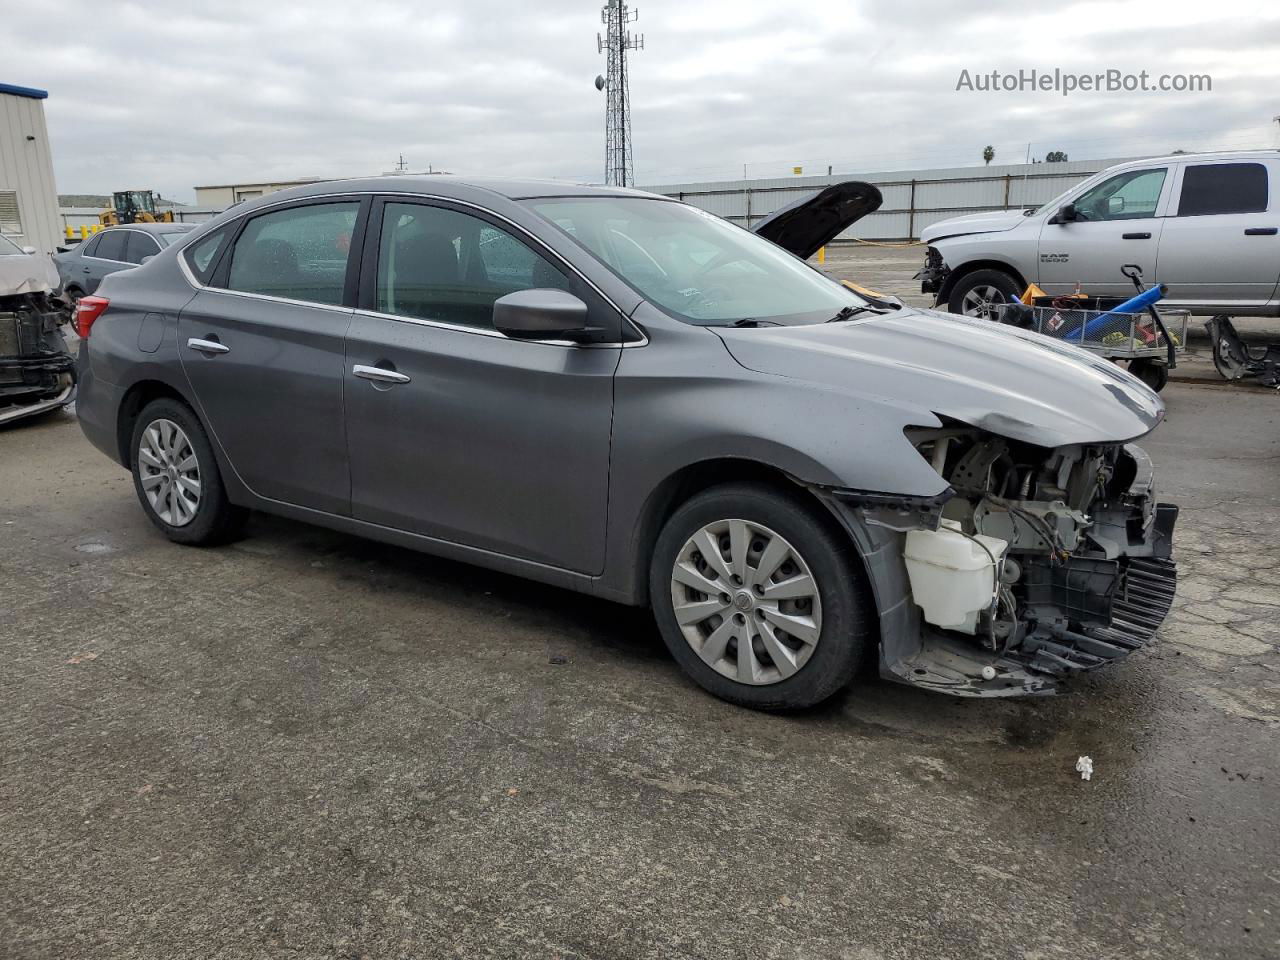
(1131, 195)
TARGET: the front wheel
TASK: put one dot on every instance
(980, 294)
(758, 599)
(176, 477)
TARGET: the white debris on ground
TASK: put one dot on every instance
(1085, 766)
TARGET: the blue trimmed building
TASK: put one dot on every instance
(28, 195)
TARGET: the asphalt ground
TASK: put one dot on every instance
(308, 745)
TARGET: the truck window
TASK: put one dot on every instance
(1209, 188)
(1131, 195)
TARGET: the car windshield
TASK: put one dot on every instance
(699, 268)
(8, 248)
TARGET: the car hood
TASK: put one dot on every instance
(809, 224)
(1014, 383)
(991, 222)
(30, 273)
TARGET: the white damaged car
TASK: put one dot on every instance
(37, 373)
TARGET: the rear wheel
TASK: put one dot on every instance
(176, 477)
(980, 293)
(758, 600)
(1151, 372)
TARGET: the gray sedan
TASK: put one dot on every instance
(616, 393)
(82, 268)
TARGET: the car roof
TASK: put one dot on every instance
(154, 227)
(456, 187)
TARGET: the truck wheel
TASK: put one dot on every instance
(978, 294)
(1151, 372)
(177, 479)
(758, 600)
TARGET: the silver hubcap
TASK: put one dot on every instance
(170, 472)
(982, 301)
(746, 602)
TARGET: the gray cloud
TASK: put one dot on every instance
(170, 95)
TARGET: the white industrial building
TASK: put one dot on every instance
(913, 199)
(220, 196)
(28, 197)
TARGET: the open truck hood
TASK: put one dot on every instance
(1013, 383)
(809, 224)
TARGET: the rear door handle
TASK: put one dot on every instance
(1135, 236)
(1261, 231)
(209, 347)
(380, 374)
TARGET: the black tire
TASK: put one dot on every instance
(1151, 372)
(215, 519)
(994, 281)
(846, 605)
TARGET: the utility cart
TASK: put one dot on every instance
(1133, 330)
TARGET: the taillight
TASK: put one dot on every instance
(88, 310)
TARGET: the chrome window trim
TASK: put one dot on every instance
(191, 279)
(85, 256)
(488, 332)
(246, 295)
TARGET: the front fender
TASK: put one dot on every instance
(683, 400)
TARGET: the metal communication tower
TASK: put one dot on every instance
(617, 40)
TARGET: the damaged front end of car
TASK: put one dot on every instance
(1034, 564)
(37, 373)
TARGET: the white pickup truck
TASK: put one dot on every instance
(1206, 225)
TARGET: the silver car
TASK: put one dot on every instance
(616, 393)
(1206, 225)
(82, 268)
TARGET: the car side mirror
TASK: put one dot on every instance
(28, 249)
(1066, 213)
(540, 314)
(1115, 205)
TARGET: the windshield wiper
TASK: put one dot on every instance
(848, 313)
(753, 322)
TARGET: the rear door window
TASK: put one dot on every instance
(111, 245)
(90, 246)
(139, 246)
(1210, 188)
(202, 256)
(299, 253)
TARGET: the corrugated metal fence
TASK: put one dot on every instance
(913, 199)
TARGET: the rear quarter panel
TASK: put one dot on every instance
(132, 342)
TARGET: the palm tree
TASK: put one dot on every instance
(988, 153)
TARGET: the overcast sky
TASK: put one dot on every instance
(172, 94)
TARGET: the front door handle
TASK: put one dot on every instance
(1261, 231)
(380, 374)
(1135, 236)
(208, 347)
